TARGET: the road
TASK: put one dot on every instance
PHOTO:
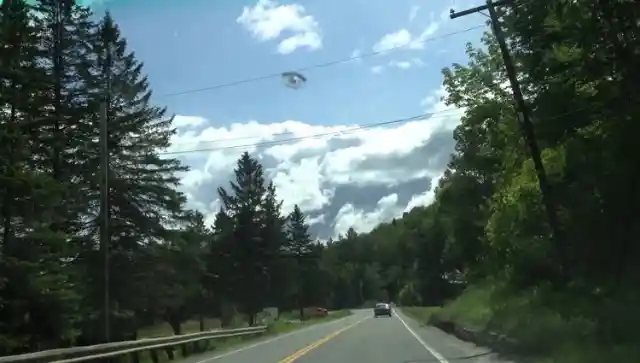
(357, 338)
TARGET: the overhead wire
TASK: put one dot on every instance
(307, 68)
(319, 65)
(351, 130)
(278, 134)
(294, 139)
(424, 116)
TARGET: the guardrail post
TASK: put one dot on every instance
(154, 355)
(200, 347)
(169, 351)
(135, 357)
(184, 350)
(204, 346)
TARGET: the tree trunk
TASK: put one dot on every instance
(177, 330)
(300, 304)
(176, 325)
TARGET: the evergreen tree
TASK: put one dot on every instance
(142, 184)
(300, 249)
(36, 297)
(62, 136)
(274, 240)
(249, 250)
(221, 272)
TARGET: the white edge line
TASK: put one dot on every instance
(426, 346)
(271, 340)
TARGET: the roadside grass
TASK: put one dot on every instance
(190, 326)
(547, 326)
(420, 313)
(277, 327)
(283, 326)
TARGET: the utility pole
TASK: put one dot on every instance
(104, 189)
(525, 123)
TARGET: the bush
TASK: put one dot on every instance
(408, 296)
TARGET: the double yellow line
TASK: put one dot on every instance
(299, 353)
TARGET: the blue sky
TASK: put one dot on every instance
(193, 44)
(355, 180)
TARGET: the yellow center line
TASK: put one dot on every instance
(299, 353)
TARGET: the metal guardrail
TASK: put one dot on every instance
(107, 351)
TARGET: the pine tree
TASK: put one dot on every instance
(37, 303)
(143, 195)
(275, 240)
(300, 249)
(192, 267)
(221, 273)
(62, 130)
(249, 249)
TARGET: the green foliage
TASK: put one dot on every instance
(408, 296)
(576, 64)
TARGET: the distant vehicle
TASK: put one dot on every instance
(318, 312)
(382, 309)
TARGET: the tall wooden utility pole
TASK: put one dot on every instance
(525, 123)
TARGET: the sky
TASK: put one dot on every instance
(216, 65)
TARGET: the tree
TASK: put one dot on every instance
(221, 276)
(142, 184)
(275, 238)
(300, 249)
(249, 250)
(37, 301)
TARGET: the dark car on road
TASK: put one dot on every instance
(382, 309)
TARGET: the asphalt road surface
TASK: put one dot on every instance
(357, 338)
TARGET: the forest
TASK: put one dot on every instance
(484, 242)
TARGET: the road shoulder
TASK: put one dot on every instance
(449, 347)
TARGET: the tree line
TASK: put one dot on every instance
(577, 62)
(164, 263)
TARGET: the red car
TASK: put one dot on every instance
(318, 312)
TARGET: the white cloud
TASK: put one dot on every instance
(188, 121)
(356, 54)
(267, 20)
(361, 221)
(403, 65)
(377, 69)
(399, 38)
(413, 12)
(403, 38)
(346, 179)
(425, 198)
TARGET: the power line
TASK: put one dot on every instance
(374, 124)
(316, 66)
(284, 141)
(423, 116)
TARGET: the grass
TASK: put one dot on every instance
(548, 327)
(282, 326)
(420, 313)
(277, 327)
(164, 329)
